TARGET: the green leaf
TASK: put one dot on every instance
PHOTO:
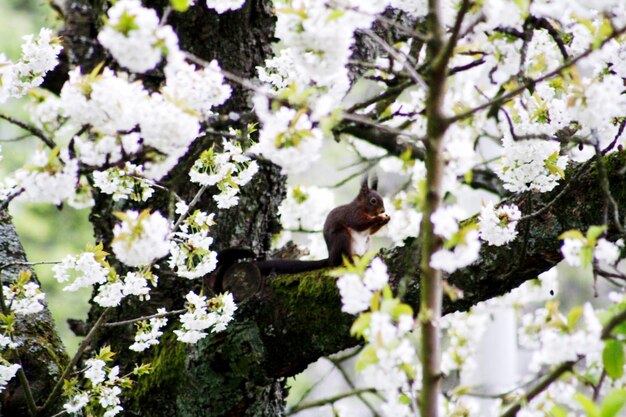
(375, 304)
(613, 358)
(360, 325)
(593, 233)
(558, 411)
(586, 255)
(126, 24)
(401, 310)
(180, 5)
(590, 408)
(366, 358)
(613, 403)
(574, 316)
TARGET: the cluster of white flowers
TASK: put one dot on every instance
(91, 268)
(7, 372)
(228, 170)
(497, 226)
(463, 333)
(25, 298)
(561, 341)
(306, 208)
(287, 137)
(531, 165)
(405, 218)
(111, 293)
(106, 149)
(86, 270)
(103, 389)
(196, 90)
(579, 250)
(356, 292)
(461, 245)
(222, 6)
(108, 102)
(190, 249)
(203, 314)
(135, 37)
(148, 332)
(141, 238)
(39, 55)
(50, 178)
(389, 361)
(123, 183)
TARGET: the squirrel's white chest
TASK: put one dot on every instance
(359, 242)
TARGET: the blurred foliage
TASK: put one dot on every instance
(47, 233)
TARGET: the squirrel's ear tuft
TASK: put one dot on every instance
(364, 186)
(374, 183)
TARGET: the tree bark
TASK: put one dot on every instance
(40, 350)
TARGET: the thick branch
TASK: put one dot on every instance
(300, 318)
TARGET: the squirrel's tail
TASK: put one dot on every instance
(289, 266)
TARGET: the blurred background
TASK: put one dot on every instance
(47, 233)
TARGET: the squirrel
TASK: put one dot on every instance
(347, 232)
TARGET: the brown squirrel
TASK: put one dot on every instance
(347, 232)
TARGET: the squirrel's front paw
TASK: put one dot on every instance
(384, 218)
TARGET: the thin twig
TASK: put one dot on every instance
(398, 57)
(541, 386)
(346, 378)
(513, 93)
(30, 129)
(366, 121)
(138, 319)
(190, 206)
(56, 391)
(329, 400)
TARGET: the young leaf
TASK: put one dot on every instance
(613, 403)
(613, 358)
(590, 408)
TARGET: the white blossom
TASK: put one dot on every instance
(203, 314)
(110, 294)
(445, 220)
(571, 251)
(84, 268)
(306, 207)
(24, 299)
(39, 55)
(141, 238)
(460, 256)
(531, 165)
(7, 372)
(287, 137)
(199, 90)
(134, 36)
(606, 251)
(108, 102)
(355, 297)
(50, 179)
(148, 333)
(76, 403)
(498, 226)
(94, 371)
(222, 6)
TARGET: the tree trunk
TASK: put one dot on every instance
(40, 349)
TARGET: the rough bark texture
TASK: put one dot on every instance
(41, 352)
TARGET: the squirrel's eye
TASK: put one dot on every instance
(373, 201)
